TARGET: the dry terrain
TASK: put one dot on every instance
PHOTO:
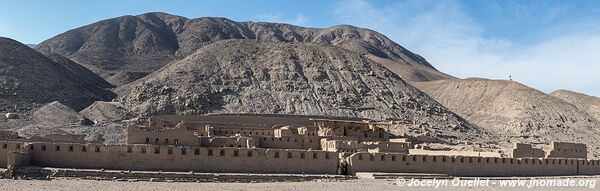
(166, 64)
(516, 112)
(126, 48)
(248, 76)
(590, 104)
(28, 79)
(347, 185)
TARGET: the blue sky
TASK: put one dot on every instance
(547, 45)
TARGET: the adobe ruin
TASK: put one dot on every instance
(281, 145)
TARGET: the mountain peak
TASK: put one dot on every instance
(144, 43)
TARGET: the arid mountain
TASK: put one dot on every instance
(126, 48)
(248, 76)
(28, 79)
(589, 104)
(515, 111)
(80, 71)
(411, 73)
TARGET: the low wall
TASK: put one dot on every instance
(469, 166)
(169, 158)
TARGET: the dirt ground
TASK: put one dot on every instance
(346, 185)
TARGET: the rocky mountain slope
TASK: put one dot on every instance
(515, 111)
(101, 112)
(411, 73)
(79, 71)
(29, 79)
(126, 48)
(57, 114)
(247, 76)
(589, 104)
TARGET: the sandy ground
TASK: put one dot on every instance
(347, 185)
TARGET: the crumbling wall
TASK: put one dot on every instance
(17, 159)
(386, 146)
(522, 150)
(243, 131)
(5, 148)
(469, 166)
(453, 153)
(339, 145)
(241, 142)
(567, 150)
(183, 158)
(179, 135)
(243, 160)
(296, 142)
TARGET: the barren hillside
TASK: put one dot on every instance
(589, 104)
(29, 79)
(79, 71)
(515, 111)
(126, 48)
(246, 76)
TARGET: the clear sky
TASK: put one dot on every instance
(545, 44)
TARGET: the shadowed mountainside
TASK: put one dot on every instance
(29, 79)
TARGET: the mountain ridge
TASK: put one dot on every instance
(124, 48)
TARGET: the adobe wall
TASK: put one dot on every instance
(241, 160)
(5, 148)
(353, 146)
(241, 142)
(297, 142)
(199, 159)
(527, 151)
(387, 146)
(161, 136)
(242, 131)
(453, 153)
(339, 145)
(469, 166)
(17, 159)
(567, 150)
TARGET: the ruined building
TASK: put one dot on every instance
(279, 145)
